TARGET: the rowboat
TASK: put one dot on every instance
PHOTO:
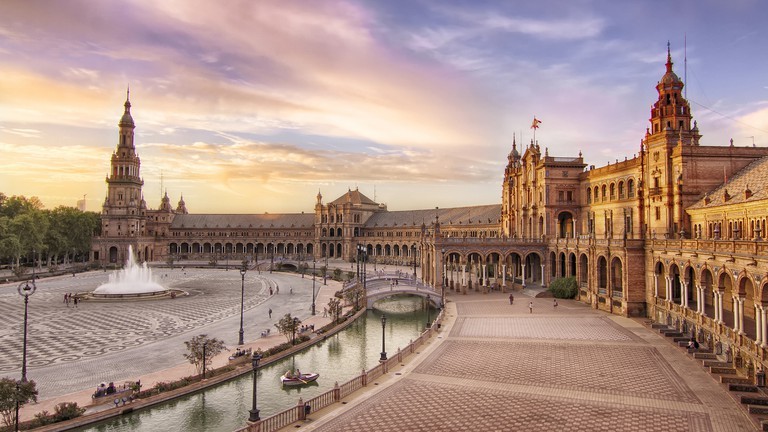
(296, 380)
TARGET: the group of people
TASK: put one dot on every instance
(310, 327)
(69, 297)
(240, 352)
(530, 303)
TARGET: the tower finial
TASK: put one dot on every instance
(669, 57)
(128, 94)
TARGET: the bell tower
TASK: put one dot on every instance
(124, 211)
(670, 132)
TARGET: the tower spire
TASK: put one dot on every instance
(669, 58)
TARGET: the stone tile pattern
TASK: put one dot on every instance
(639, 371)
(541, 327)
(60, 334)
(418, 407)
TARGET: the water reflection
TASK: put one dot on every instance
(339, 358)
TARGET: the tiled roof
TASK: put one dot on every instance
(487, 214)
(753, 177)
(290, 220)
(353, 196)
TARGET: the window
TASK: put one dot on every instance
(613, 191)
(658, 213)
(631, 188)
(621, 190)
(603, 195)
(589, 195)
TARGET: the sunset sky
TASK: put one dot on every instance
(254, 106)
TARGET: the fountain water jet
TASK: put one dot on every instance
(135, 279)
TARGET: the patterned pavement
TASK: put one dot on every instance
(71, 349)
(498, 367)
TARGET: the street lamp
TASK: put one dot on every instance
(254, 412)
(443, 279)
(314, 264)
(325, 274)
(25, 290)
(242, 301)
(414, 261)
(383, 337)
(295, 324)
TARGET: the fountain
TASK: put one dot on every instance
(135, 280)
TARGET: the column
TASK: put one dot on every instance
(741, 316)
(523, 265)
(758, 325)
(735, 301)
(574, 228)
(763, 313)
(484, 277)
(668, 288)
(684, 299)
(655, 285)
(719, 308)
(542, 275)
(503, 277)
(700, 299)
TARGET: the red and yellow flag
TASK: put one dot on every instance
(536, 122)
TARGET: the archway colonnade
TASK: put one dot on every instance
(730, 297)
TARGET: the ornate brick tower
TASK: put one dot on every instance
(664, 144)
(123, 216)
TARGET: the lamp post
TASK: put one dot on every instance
(414, 262)
(272, 262)
(358, 262)
(295, 324)
(254, 412)
(443, 279)
(25, 290)
(243, 269)
(325, 275)
(383, 337)
(314, 264)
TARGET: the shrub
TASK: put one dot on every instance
(564, 288)
(67, 411)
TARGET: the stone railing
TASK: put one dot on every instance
(338, 392)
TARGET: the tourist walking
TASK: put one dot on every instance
(554, 304)
(530, 307)
(270, 312)
(66, 299)
(511, 299)
(75, 302)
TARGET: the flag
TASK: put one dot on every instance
(536, 122)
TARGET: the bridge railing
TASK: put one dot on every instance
(338, 392)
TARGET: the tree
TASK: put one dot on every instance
(203, 349)
(288, 326)
(11, 392)
(335, 308)
(337, 274)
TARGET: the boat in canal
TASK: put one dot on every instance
(291, 379)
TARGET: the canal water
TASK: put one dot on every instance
(337, 359)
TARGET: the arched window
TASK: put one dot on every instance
(630, 188)
(603, 194)
(621, 190)
(589, 195)
(613, 191)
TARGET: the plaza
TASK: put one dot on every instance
(71, 350)
(497, 367)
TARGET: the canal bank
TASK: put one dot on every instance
(242, 367)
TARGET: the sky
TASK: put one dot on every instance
(255, 106)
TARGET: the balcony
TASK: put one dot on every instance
(654, 191)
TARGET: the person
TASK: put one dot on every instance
(554, 304)
(325, 312)
(75, 302)
(66, 299)
(270, 312)
(270, 290)
(511, 298)
(530, 307)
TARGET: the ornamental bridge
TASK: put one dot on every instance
(383, 285)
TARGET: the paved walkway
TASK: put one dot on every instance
(498, 367)
(71, 350)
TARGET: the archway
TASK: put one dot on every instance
(113, 254)
(660, 279)
(725, 285)
(674, 274)
(709, 298)
(572, 264)
(583, 271)
(561, 265)
(617, 277)
(565, 225)
(602, 275)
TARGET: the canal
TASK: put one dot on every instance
(337, 359)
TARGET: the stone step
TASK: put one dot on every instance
(743, 388)
(716, 363)
(722, 370)
(659, 326)
(704, 356)
(671, 333)
(732, 379)
(757, 409)
(683, 340)
(754, 400)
